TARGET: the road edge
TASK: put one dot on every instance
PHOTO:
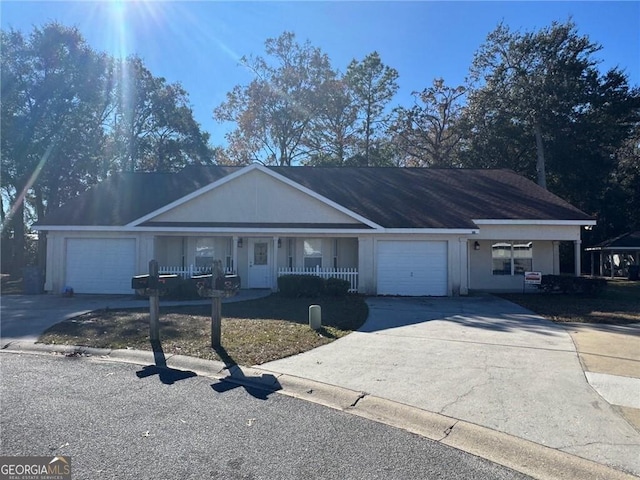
(523, 456)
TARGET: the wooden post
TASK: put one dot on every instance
(216, 320)
(154, 303)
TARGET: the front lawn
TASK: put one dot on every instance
(618, 304)
(253, 332)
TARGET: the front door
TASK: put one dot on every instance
(260, 270)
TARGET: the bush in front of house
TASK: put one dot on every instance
(300, 285)
(336, 287)
(566, 284)
(295, 286)
(182, 289)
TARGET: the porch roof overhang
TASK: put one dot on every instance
(248, 229)
(627, 242)
(612, 249)
(580, 223)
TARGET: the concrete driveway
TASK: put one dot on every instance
(479, 359)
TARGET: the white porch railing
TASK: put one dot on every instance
(186, 272)
(348, 274)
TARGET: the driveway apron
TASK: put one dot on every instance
(480, 359)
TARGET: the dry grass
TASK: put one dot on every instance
(10, 284)
(253, 332)
(618, 304)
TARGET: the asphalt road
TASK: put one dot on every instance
(130, 422)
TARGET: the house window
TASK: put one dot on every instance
(312, 253)
(335, 253)
(510, 258)
(205, 249)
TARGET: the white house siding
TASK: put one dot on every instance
(545, 240)
(527, 232)
(255, 197)
(169, 250)
(347, 252)
(146, 250)
(54, 277)
(366, 265)
(480, 266)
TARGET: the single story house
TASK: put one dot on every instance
(389, 231)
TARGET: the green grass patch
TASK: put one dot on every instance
(253, 332)
(618, 304)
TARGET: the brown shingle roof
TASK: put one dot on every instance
(390, 197)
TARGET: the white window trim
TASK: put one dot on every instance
(513, 244)
(315, 256)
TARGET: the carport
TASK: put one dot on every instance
(616, 255)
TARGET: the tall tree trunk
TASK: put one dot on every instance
(41, 256)
(367, 136)
(540, 164)
(18, 238)
(2, 212)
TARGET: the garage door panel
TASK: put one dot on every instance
(412, 268)
(100, 265)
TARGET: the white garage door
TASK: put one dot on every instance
(412, 268)
(100, 265)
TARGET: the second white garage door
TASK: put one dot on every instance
(100, 265)
(412, 268)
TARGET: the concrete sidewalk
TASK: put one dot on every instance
(480, 359)
(610, 357)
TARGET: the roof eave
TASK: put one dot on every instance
(485, 221)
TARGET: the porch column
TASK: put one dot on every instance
(234, 254)
(577, 256)
(464, 265)
(613, 270)
(556, 257)
(366, 271)
(593, 267)
(601, 262)
(274, 282)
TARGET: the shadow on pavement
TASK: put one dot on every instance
(167, 375)
(259, 387)
(482, 312)
(509, 323)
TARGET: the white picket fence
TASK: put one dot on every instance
(185, 272)
(348, 274)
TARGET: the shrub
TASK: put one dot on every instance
(300, 285)
(183, 289)
(566, 284)
(337, 287)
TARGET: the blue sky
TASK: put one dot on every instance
(198, 43)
